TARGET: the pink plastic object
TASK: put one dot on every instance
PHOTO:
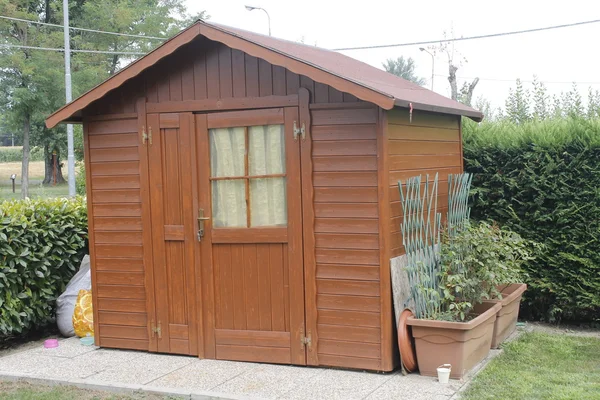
(50, 343)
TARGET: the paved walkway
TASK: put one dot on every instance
(190, 377)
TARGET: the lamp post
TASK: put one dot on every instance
(70, 145)
(432, 64)
(250, 8)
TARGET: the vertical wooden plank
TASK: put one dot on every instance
(462, 159)
(163, 85)
(286, 289)
(225, 75)
(151, 87)
(208, 291)
(251, 287)
(264, 279)
(321, 93)
(335, 96)
(187, 79)
(279, 84)
(292, 82)
(91, 235)
(216, 259)
(349, 98)
(276, 272)
(265, 78)
(200, 81)
(189, 213)
(238, 70)
(385, 285)
(212, 72)
(252, 76)
(308, 218)
(158, 242)
(196, 292)
(237, 272)
(296, 220)
(226, 283)
(307, 83)
(146, 225)
(175, 83)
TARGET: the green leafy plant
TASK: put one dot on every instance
(475, 262)
(80, 178)
(42, 243)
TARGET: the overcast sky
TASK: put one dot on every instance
(557, 57)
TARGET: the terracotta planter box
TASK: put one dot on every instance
(506, 319)
(462, 344)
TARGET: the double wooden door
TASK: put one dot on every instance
(226, 206)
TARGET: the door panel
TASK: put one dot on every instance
(249, 185)
(172, 165)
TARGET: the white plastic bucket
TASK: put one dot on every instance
(443, 372)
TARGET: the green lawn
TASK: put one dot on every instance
(541, 366)
(26, 391)
(35, 191)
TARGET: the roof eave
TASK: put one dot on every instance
(473, 114)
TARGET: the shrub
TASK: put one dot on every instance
(15, 154)
(80, 178)
(542, 180)
(42, 243)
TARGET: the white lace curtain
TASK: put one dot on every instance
(266, 156)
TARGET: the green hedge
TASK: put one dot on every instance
(42, 243)
(542, 180)
(15, 154)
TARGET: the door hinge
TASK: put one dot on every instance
(305, 340)
(299, 131)
(156, 331)
(144, 135)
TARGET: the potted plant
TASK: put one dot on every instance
(502, 254)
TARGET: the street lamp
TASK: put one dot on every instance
(432, 64)
(250, 8)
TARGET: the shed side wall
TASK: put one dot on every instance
(428, 144)
(115, 211)
(344, 159)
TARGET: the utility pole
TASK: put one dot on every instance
(69, 95)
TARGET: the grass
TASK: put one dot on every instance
(27, 391)
(36, 176)
(541, 366)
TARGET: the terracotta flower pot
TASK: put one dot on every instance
(506, 320)
(461, 344)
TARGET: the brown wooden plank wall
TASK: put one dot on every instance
(215, 71)
(115, 207)
(344, 159)
(428, 144)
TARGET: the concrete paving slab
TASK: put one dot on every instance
(67, 348)
(414, 387)
(143, 369)
(267, 381)
(203, 374)
(337, 384)
(27, 363)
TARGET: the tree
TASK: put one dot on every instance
(593, 109)
(404, 68)
(517, 104)
(32, 81)
(540, 100)
(572, 103)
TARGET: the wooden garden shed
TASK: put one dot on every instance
(242, 198)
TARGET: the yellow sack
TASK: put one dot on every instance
(83, 316)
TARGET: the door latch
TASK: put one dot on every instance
(201, 219)
(156, 331)
(299, 131)
(144, 135)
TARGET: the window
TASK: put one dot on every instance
(248, 178)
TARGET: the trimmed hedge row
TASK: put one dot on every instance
(42, 243)
(542, 180)
(15, 154)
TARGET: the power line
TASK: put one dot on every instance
(18, 46)
(523, 80)
(82, 29)
(469, 37)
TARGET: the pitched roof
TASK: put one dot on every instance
(321, 65)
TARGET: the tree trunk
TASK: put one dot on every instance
(470, 91)
(49, 168)
(452, 79)
(25, 163)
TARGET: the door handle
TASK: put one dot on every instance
(201, 219)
